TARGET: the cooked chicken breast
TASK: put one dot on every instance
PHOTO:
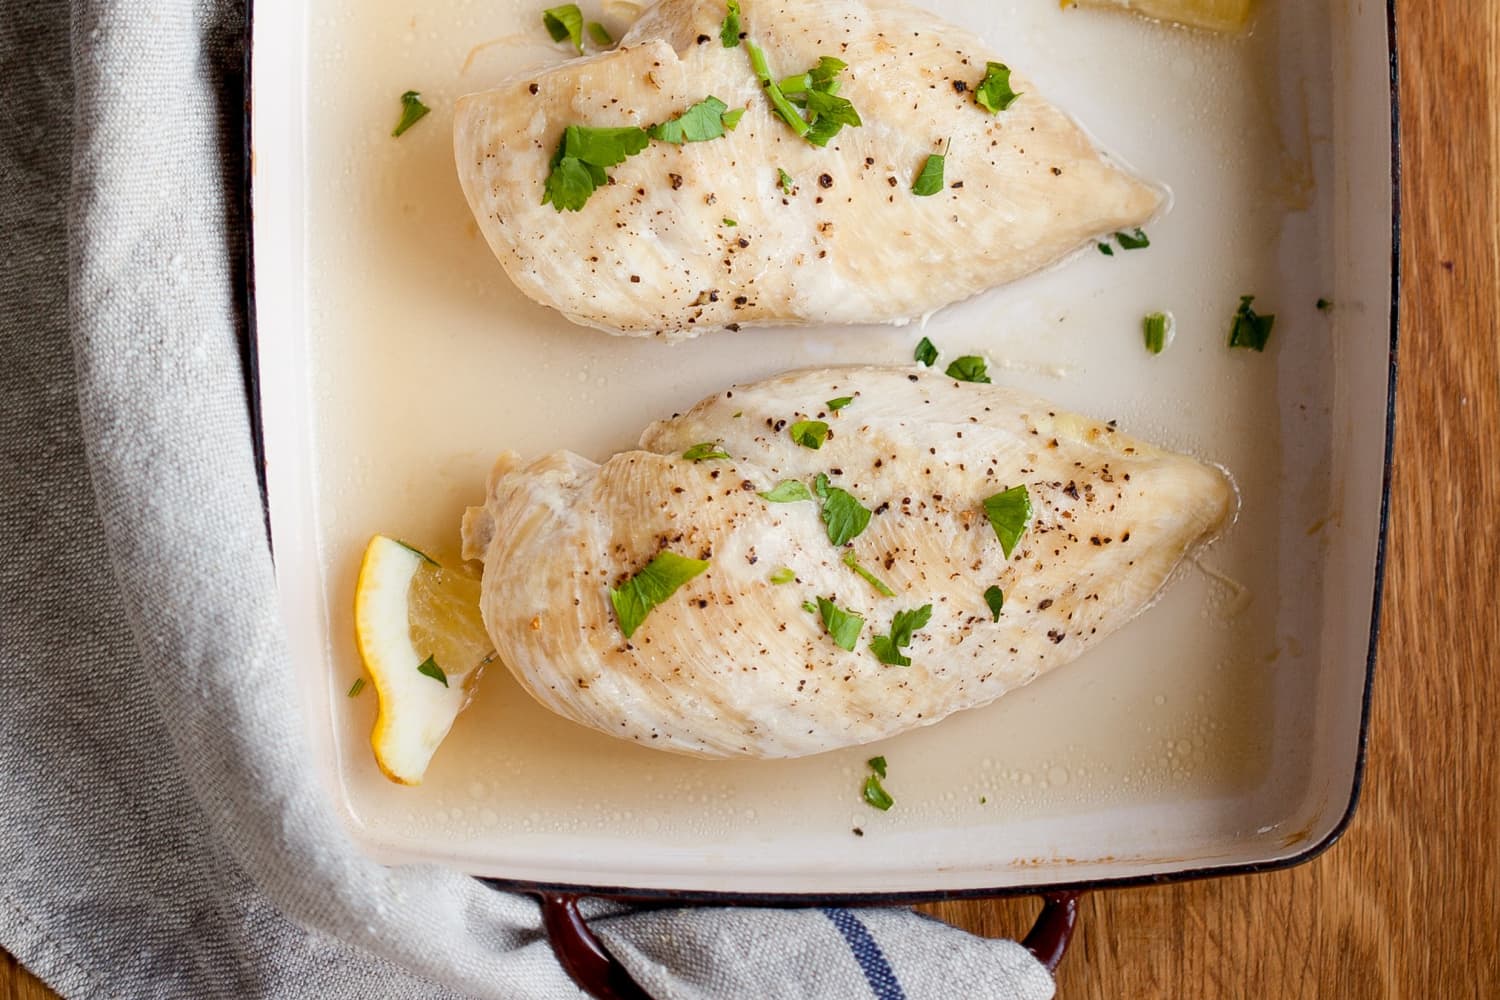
(732, 662)
(703, 235)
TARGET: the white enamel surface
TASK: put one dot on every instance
(1220, 728)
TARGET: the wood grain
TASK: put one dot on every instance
(1408, 904)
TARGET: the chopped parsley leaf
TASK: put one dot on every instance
(1324, 305)
(732, 118)
(829, 114)
(600, 34)
(809, 433)
(809, 607)
(816, 90)
(1156, 332)
(843, 627)
(823, 77)
(926, 353)
(730, 222)
(995, 598)
(838, 404)
(578, 165)
(1009, 513)
(565, 23)
(785, 180)
(930, 179)
(708, 119)
(1250, 329)
(787, 491)
(1137, 240)
(634, 599)
(845, 517)
(866, 575)
(783, 575)
(877, 764)
(887, 648)
(412, 111)
(1106, 249)
(779, 103)
(969, 368)
(429, 668)
(356, 687)
(877, 796)
(994, 93)
(729, 31)
(705, 451)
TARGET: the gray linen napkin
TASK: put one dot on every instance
(161, 834)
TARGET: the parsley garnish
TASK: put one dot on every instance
(845, 516)
(1156, 332)
(877, 796)
(783, 575)
(887, 648)
(778, 100)
(822, 77)
(659, 580)
(930, 179)
(412, 111)
(356, 687)
(969, 368)
(785, 180)
(705, 451)
(787, 491)
(843, 627)
(995, 598)
(708, 119)
(877, 764)
(809, 607)
(429, 668)
(600, 35)
(578, 165)
(809, 433)
(838, 404)
(1009, 513)
(730, 222)
(565, 23)
(994, 93)
(1106, 249)
(926, 353)
(1137, 240)
(828, 114)
(729, 32)
(816, 90)
(869, 577)
(1250, 329)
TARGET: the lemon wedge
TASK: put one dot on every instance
(1215, 15)
(423, 643)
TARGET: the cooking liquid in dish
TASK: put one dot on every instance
(427, 362)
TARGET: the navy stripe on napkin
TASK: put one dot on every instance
(867, 953)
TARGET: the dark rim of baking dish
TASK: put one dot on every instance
(250, 354)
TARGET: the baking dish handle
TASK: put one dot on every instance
(583, 957)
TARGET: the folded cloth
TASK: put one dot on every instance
(161, 831)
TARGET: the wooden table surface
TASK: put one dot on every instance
(1408, 903)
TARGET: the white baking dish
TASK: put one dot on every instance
(1222, 731)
